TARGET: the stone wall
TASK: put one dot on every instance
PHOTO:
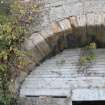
(60, 19)
(43, 100)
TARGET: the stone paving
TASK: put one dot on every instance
(61, 76)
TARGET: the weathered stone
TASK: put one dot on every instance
(103, 6)
(68, 13)
(73, 9)
(49, 31)
(70, 1)
(60, 101)
(55, 27)
(57, 13)
(88, 94)
(40, 43)
(19, 80)
(35, 55)
(57, 3)
(103, 18)
(98, 19)
(44, 34)
(44, 101)
(28, 44)
(28, 101)
(93, 6)
(81, 20)
(99, 29)
(65, 24)
(73, 21)
(90, 18)
(36, 38)
(81, 30)
(59, 75)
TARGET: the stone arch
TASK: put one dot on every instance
(44, 42)
(62, 18)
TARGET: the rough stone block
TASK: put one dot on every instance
(44, 17)
(44, 34)
(36, 40)
(35, 55)
(103, 6)
(65, 24)
(51, 40)
(73, 9)
(70, 1)
(48, 30)
(19, 79)
(90, 19)
(55, 27)
(43, 100)
(103, 18)
(81, 20)
(88, 94)
(40, 43)
(57, 3)
(98, 19)
(28, 44)
(59, 101)
(93, 6)
(57, 13)
(73, 21)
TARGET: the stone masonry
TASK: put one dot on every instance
(59, 18)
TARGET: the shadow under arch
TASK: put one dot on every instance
(80, 37)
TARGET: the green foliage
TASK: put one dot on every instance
(89, 56)
(4, 7)
(14, 18)
(85, 59)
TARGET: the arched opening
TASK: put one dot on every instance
(80, 37)
(52, 83)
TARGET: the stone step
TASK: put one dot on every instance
(48, 92)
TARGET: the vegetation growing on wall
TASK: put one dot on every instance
(88, 53)
(87, 57)
(15, 17)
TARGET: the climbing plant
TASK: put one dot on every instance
(15, 17)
